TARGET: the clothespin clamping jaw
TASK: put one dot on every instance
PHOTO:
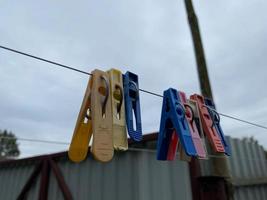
(120, 141)
(102, 145)
(173, 119)
(216, 123)
(132, 106)
(83, 130)
(207, 123)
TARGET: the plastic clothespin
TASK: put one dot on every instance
(216, 122)
(207, 124)
(173, 118)
(83, 130)
(120, 141)
(132, 106)
(102, 145)
(198, 123)
(193, 128)
(175, 144)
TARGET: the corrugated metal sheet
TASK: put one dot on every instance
(12, 180)
(248, 169)
(135, 174)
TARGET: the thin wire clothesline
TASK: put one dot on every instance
(142, 90)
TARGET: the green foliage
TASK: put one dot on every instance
(8, 145)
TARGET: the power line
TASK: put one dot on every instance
(244, 121)
(35, 140)
(131, 149)
(44, 60)
(142, 90)
(240, 120)
(62, 65)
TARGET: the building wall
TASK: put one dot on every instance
(135, 174)
(248, 169)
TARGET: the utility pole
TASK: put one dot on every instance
(199, 51)
(218, 186)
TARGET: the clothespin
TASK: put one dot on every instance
(192, 126)
(175, 144)
(102, 145)
(132, 106)
(120, 141)
(194, 106)
(83, 130)
(194, 109)
(173, 118)
(193, 130)
(216, 122)
(207, 124)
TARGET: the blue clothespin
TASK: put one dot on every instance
(132, 105)
(216, 122)
(173, 118)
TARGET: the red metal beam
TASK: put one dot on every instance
(60, 180)
(30, 182)
(44, 184)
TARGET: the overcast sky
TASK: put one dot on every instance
(148, 37)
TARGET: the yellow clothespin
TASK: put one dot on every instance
(102, 146)
(120, 141)
(83, 130)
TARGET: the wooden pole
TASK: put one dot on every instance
(199, 51)
(220, 169)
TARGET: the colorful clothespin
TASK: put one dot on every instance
(83, 130)
(207, 124)
(195, 112)
(173, 118)
(102, 145)
(192, 126)
(132, 106)
(120, 141)
(216, 122)
(193, 130)
(175, 144)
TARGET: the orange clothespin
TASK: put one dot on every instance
(207, 124)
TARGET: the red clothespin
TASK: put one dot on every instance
(209, 129)
(173, 146)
